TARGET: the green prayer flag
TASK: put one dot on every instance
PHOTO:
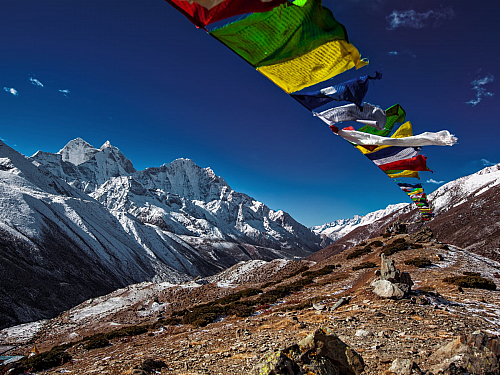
(281, 34)
(395, 114)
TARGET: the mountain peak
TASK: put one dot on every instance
(77, 151)
(107, 144)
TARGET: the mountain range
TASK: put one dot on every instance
(83, 222)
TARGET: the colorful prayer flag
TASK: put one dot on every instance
(294, 46)
(352, 91)
(205, 12)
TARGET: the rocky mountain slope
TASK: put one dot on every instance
(466, 216)
(83, 222)
(438, 326)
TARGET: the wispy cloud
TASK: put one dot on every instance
(418, 20)
(11, 90)
(405, 52)
(433, 181)
(65, 92)
(36, 82)
(487, 163)
(481, 92)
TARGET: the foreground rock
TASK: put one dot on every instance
(392, 283)
(321, 353)
(477, 353)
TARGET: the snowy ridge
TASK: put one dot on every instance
(458, 191)
(342, 227)
(179, 197)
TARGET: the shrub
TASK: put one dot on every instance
(364, 265)
(241, 310)
(126, 331)
(300, 270)
(395, 247)
(416, 246)
(358, 252)
(362, 243)
(468, 273)
(323, 271)
(96, 342)
(377, 243)
(418, 262)
(43, 361)
(172, 321)
(471, 281)
(386, 235)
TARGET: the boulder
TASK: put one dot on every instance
(404, 367)
(391, 283)
(321, 353)
(477, 353)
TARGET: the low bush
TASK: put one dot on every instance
(364, 265)
(377, 243)
(395, 247)
(299, 271)
(416, 246)
(469, 273)
(96, 342)
(386, 235)
(323, 271)
(471, 281)
(419, 262)
(52, 358)
(126, 331)
(359, 252)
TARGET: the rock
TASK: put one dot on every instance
(477, 353)
(363, 333)
(404, 367)
(392, 283)
(321, 353)
(319, 306)
(340, 302)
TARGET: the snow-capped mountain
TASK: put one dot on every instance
(83, 222)
(339, 228)
(179, 197)
(466, 210)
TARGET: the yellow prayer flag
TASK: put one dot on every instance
(405, 173)
(318, 65)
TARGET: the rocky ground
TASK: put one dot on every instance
(380, 330)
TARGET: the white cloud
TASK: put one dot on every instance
(432, 181)
(11, 90)
(481, 92)
(418, 20)
(405, 52)
(65, 92)
(487, 163)
(36, 82)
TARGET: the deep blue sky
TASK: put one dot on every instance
(143, 77)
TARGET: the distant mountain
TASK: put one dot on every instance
(83, 222)
(339, 228)
(466, 210)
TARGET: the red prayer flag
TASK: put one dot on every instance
(418, 163)
(202, 16)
